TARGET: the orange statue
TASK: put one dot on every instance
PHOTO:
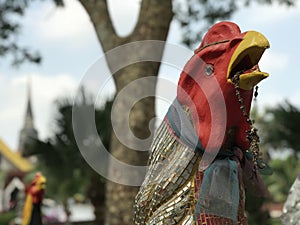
(34, 195)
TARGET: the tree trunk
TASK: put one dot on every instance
(97, 196)
(153, 24)
(67, 211)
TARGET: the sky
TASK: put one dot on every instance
(68, 44)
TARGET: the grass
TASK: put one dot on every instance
(275, 222)
(6, 217)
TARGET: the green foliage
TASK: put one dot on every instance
(276, 222)
(281, 127)
(5, 218)
(279, 183)
(59, 158)
(11, 12)
(195, 16)
(284, 175)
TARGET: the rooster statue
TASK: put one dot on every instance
(34, 195)
(205, 152)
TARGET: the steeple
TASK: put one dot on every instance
(28, 132)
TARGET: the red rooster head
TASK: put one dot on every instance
(37, 187)
(207, 80)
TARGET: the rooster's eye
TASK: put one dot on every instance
(209, 69)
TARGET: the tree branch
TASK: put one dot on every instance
(98, 12)
(154, 20)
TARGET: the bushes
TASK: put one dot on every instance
(6, 217)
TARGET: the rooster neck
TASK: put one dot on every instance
(235, 120)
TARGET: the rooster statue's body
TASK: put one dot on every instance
(201, 155)
(32, 214)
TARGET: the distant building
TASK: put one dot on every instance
(13, 166)
(28, 132)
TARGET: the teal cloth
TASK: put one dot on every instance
(219, 192)
(183, 127)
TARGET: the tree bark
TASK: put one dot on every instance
(153, 24)
(96, 194)
(67, 211)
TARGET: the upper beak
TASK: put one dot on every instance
(43, 183)
(245, 60)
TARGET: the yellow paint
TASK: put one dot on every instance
(40, 182)
(14, 158)
(27, 210)
(253, 44)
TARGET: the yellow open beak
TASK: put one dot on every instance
(245, 60)
(42, 183)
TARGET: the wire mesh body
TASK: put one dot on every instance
(170, 190)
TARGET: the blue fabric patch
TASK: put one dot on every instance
(219, 193)
(183, 127)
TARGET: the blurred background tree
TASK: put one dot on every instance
(153, 24)
(284, 175)
(61, 162)
(281, 127)
(279, 131)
